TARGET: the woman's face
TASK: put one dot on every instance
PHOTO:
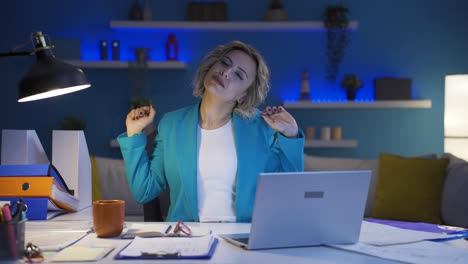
(229, 78)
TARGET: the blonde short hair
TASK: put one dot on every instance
(258, 90)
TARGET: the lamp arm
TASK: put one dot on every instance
(19, 53)
(39, 43)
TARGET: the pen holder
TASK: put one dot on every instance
(12, 240)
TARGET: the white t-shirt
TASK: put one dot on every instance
(216, 174)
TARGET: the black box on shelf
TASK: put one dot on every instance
(392, 88)
(12, 240)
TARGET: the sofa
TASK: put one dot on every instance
(110, 183)
(453, 193)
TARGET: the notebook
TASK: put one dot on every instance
(169, 248)
(306, 209)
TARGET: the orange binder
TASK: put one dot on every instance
(41, 180)
(34, 186)
(25, 186)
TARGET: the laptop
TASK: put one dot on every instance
(306, 209)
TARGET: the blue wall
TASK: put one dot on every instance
(395, 38)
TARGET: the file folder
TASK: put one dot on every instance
(33, 170)
(39, 184)
(25, 186)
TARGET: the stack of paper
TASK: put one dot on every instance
(405, 245)
(425, 252)
(382, 235)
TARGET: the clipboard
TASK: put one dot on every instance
(169, 255)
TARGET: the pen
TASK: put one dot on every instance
(168, 229)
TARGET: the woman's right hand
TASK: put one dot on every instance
(138, 119)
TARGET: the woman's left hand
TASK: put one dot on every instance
(280, 120)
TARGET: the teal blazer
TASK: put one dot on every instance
(174, 161)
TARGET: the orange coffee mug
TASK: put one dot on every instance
(108, 217)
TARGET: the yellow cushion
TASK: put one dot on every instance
(409, 189)
(96, 191)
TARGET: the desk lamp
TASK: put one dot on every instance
(48, 77)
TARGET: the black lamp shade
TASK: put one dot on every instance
(50, 77)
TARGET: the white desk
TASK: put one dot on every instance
(228, 253)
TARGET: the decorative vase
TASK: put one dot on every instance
(276, 15)
(136, 12)
(172, 48)
(147, 10)
(305, 90)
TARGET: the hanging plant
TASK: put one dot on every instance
(336, 22)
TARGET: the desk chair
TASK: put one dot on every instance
(156, 209)
(152, 211)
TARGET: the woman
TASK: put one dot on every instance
(210, 154)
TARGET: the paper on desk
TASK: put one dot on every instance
(424, 252)
(59, 225)
(185, 246)
(55, 235)
(53, 240)
(382, 235)
(81, 253)
(419, 226)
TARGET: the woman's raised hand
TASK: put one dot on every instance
(280, 120)
(138, 119)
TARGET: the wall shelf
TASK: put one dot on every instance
(345, 143)
(223, 26)
(174, 65)
(361, 105)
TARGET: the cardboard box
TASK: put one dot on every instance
(392, 88)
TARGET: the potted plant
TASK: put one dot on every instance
(276, 12)
(72, 123)
(351, 84)
(336, 22)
